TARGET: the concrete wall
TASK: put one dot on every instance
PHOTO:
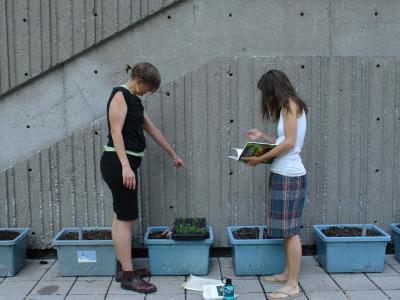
(342, 56)
(350, 152)
(180, 39)
(36, 35)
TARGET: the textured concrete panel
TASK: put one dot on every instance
(350, 152)
(37, 35)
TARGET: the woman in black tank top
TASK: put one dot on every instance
(120, 161)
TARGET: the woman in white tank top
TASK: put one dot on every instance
(287, 181)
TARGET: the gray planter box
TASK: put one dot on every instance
(13, 253)
(84, 257)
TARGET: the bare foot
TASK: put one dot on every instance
(285, 292)
(277, 278)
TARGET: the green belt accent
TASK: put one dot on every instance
(112, 149)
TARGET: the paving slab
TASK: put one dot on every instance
(85, 297)
(31, 271)
(90, 287)
(387, 282)
(243, 286)
(354, 282)
(125, 297)
(230, 272)
(326, 295)
(45, 297)
(324, 282)
(165, 297)
(393, 294)
(168, 287)
(367, 295)
(16, 288)
(56, 287)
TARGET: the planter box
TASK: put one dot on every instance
(84, 257)
(256, 256)
(169, 257)
(13, 252)
(351, 254)
(396, 240)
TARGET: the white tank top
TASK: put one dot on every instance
(289, 163)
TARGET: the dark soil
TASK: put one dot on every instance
(8, 235)
(70, 236)
(97, 235)
(88, 235)
(335, 231)
(158, 235)
(268, 237)
(246, 233)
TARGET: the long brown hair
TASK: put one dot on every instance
(276, 91)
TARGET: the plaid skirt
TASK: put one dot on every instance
(285, 206)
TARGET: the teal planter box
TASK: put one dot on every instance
(396, 240)
(169, 257)
(13, 252)
(256, 256)
(351, 254)
(84, 257)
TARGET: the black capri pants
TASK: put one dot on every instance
(125, 201)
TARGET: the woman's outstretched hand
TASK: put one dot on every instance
(253, 134)
(178, 162)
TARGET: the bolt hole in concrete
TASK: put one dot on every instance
(48, 290)
(43, 262)
(378, 65)
(377, 119)
(167, 93)
(26, 74)
(96, 133)
(376, 13)
(24, 19)
(230, 74)
(171, 206)
(230, 173)
(230, 15)
(302, 66)
(28, 126)
(302, 14)
(95, 14)
(231, 121)
(95, 71)
(169, 17)
(33, 233)
(29, 170)
(377, 170)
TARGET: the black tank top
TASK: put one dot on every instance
(132, 131)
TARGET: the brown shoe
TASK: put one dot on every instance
(132, 281)
(118, 272)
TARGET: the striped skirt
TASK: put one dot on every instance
(285, 206)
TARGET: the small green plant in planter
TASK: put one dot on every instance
(189, 229)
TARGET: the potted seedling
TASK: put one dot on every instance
(254, 252)
(181, 249)
(85, 251)
(351, 247)
(189, 229)
(13, 242)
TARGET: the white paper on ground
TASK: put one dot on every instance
(196, 283)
